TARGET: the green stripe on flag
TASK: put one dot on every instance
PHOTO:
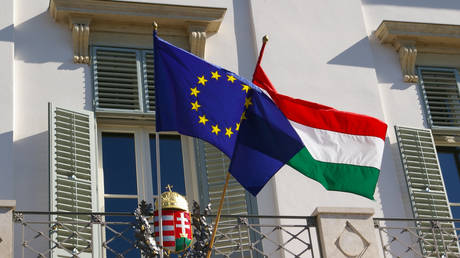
(338, 177)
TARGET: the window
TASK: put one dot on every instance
(128, 165)
(440, 90)
(430, 155)
(123, 80)
(449, 160)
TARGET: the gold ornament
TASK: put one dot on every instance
(172, 200)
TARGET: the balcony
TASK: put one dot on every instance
(59, 234)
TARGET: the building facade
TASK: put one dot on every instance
(77, 127)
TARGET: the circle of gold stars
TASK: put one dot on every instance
(215, 129)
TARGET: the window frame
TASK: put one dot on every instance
(144, 178)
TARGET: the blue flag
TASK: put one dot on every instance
(202, 100)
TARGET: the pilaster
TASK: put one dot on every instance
(347, 232)
(6, 227)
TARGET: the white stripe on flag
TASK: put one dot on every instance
(166, 238)
(165, 217)
(165, 228)
(334, 147)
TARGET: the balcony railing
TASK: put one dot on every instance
(54, 234)
(428, 237)
(59, 234)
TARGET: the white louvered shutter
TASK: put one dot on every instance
(72, 179)
(426, 187)
(117, 79)
(441, 95)
(216, 164)
(148, 80)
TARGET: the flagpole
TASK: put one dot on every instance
(157, 155)
(261, 54)
(216, 224)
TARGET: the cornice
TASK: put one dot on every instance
(410, 39)
(85, 17)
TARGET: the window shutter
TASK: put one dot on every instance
(116, 79)
(441, 95)
(72, 178)
(426, 186)
(216, 166)
(148, 80)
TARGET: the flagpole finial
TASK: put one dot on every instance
(155, 25)
(265, 39)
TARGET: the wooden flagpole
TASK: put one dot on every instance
(222, 197)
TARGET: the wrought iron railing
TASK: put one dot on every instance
(428, 237)
(59, 234)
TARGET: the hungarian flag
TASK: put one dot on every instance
(341, 150)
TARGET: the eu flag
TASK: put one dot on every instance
(202, 100)
(197, 98)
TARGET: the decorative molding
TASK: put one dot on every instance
(407, 56)
(197, 40)
(410, 39)
(350, 242)
(92, 17)
(80, 38)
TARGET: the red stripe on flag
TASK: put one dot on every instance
(319, 116)
(165, 223)
(169, 243)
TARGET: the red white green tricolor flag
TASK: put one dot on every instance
(342, 150)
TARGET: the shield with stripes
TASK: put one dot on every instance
(177, 229)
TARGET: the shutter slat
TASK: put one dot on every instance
(424, 180)
(441, 96)
(71, 174)
(116, 79)
(148, 72)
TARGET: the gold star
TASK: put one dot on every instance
(228, 132)
(203, 119)
(243, 116)
(195, 105)
(237, 126)
(215, 75)
(247, 102)
(202, 80)
(194, 92)
(230, 78)
(245, 88)
(215, 129)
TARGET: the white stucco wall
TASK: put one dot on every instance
(44, 72)
(6, 99)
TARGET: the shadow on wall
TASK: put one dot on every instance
(392, 178)
(31, 172)
(446, 4)
(244, 34)
(6, 168)
(41, 40)
(356, 55)
(6, 33)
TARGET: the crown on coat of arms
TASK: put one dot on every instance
(172, 200)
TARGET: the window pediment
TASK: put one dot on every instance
(86, 17)
(411, 39)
